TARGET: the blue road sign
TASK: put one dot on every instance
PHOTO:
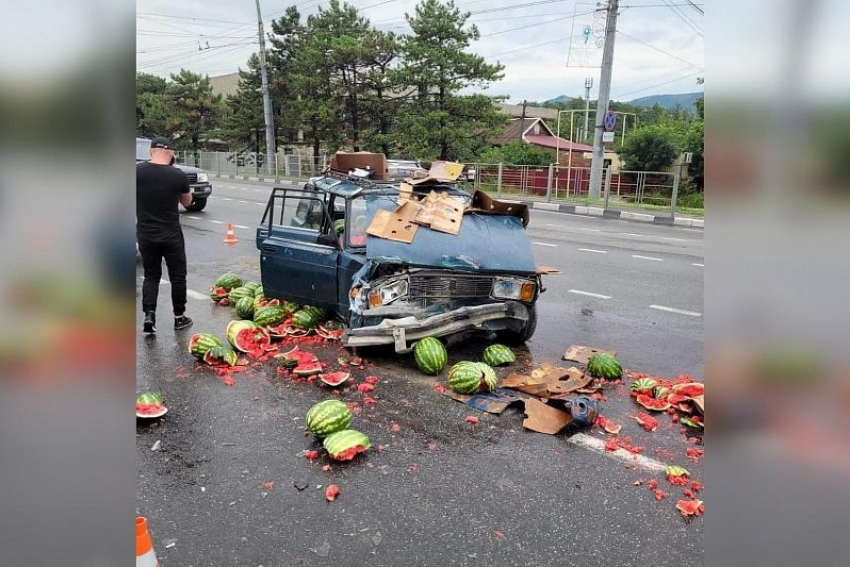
(610, 121)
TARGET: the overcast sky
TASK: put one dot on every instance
(659, 49)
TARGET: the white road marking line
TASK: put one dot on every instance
(597, 445)
(243, 202)
(673, 238)
(631, 234)
(196, 294)
(261, 204)
(241, 226)
(653, 258)
(674, 310)
(589, 293)
(692, 229)
(215, 221)
(590, 229)
(545, 244)
(226, 199)
(195, 218)
(593, 250)
(698, 265)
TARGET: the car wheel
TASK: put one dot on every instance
(196, 205)
(521, 336)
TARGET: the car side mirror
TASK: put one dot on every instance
(328, 240)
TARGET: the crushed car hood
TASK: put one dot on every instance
(486, 242)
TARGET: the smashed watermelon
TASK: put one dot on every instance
(690, 508)
(647, 421)
(651, 403)
(690, 390)
(308, 369)
(150, 405)
(334, 378)
(607, 425)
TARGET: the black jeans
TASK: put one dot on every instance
(153, 252)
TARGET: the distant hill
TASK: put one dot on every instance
(668, 101)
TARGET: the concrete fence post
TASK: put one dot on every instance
(676, 173)
(549, 183)
(607, 185)
(499, 182)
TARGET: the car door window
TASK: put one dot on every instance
(301, 212)
(356, 223)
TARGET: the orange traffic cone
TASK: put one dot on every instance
(230, 238)
(145, 556)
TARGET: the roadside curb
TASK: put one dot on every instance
(564, 208)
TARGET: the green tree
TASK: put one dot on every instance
(695, 143)
(383, 96)
(440, 122)
(517, 153)
(195, 110)
(244, 124)
(151, 109)
(650, 148)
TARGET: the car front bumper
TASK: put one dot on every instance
(201, 190)
(402, 332)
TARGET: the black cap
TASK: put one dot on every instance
(162, 143)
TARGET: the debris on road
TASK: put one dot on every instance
(472, 419)
(331, 492)
(582, 354)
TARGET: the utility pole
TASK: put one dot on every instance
(267, 101)
(588, 84)
(522, 120)
(602, 100)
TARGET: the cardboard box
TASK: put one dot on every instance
(344, 162)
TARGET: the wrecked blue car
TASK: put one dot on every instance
(314, 249)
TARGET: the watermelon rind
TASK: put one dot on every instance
(253, 286)
(674, 470)
(245, 308)
(269, 315)
(238, 293)
(200, 343)
(228, 281)
(334, 378)
(604, 365)
(217, 293)
(465, 377)
(643, 386)
(430, 355)
(307, 369)
(345, 445)
(497, 355)
(150, 398)
(328, 417)
(490, 378)
(221, 354)
(304, 319)
(235, 327)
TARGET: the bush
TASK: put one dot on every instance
(517, 153)
(691, 200)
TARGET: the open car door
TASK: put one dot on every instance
(299, 250)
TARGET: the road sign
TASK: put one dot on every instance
(607, 137)
(610, 121)
(688, 157)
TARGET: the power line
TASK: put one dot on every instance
(658, 49)
(659, 84)
(682, 16)
(695, 7)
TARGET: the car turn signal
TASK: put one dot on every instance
(527, 292)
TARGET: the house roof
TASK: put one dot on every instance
(524, 127)
(553, 142)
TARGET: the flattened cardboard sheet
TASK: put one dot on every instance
(441, 172)
(581, 353)
(392, 226)
(484, 203)
(543, 418)
(441, 212)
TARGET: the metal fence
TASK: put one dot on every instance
(622, 190)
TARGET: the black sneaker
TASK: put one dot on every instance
(150, 322)
(182, 322)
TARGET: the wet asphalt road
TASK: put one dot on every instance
(442, 491)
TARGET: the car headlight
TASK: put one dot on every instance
(521, 290)
(386, 294)
(203, 178)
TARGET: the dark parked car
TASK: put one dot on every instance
(314, 250)
(198, 179)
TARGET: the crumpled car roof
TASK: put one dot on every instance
(494, 243)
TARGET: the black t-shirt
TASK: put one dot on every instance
(158, 190)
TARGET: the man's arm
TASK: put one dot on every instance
(186, 192)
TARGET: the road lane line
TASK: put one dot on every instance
(653, 258)
(196, 294)
(261, 204)
(241, 226)
(215, 221)
(698, 265)
(597, 445)
(674, 310)
(631, 234)
(589, 294)
(693, 229)
(590, 229)
(226, 199)
(593, 250)
(243, 202)
(195, 218)
(545, 244)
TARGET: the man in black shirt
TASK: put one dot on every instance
(159, 188)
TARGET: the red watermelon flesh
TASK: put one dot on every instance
(300, 356)
(249, 340)
(334, 378)
(676, 399)
(691, 390)
(349, 454)
(277, 331)
(149, 409)
(690, 508)
(651, 403)
(308, 369)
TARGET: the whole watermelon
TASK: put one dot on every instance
(430, 355)
(345, 445)
(253, 286)
(238, 293)
(228, 281)
(328, 417)
(200, 343)
(466, 377)
(497, 355)
(304, 319)
(318, 313)
(269, 315)
(245, 308)
(259, 292)
(603, 365)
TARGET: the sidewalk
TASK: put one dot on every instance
(681, 219)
